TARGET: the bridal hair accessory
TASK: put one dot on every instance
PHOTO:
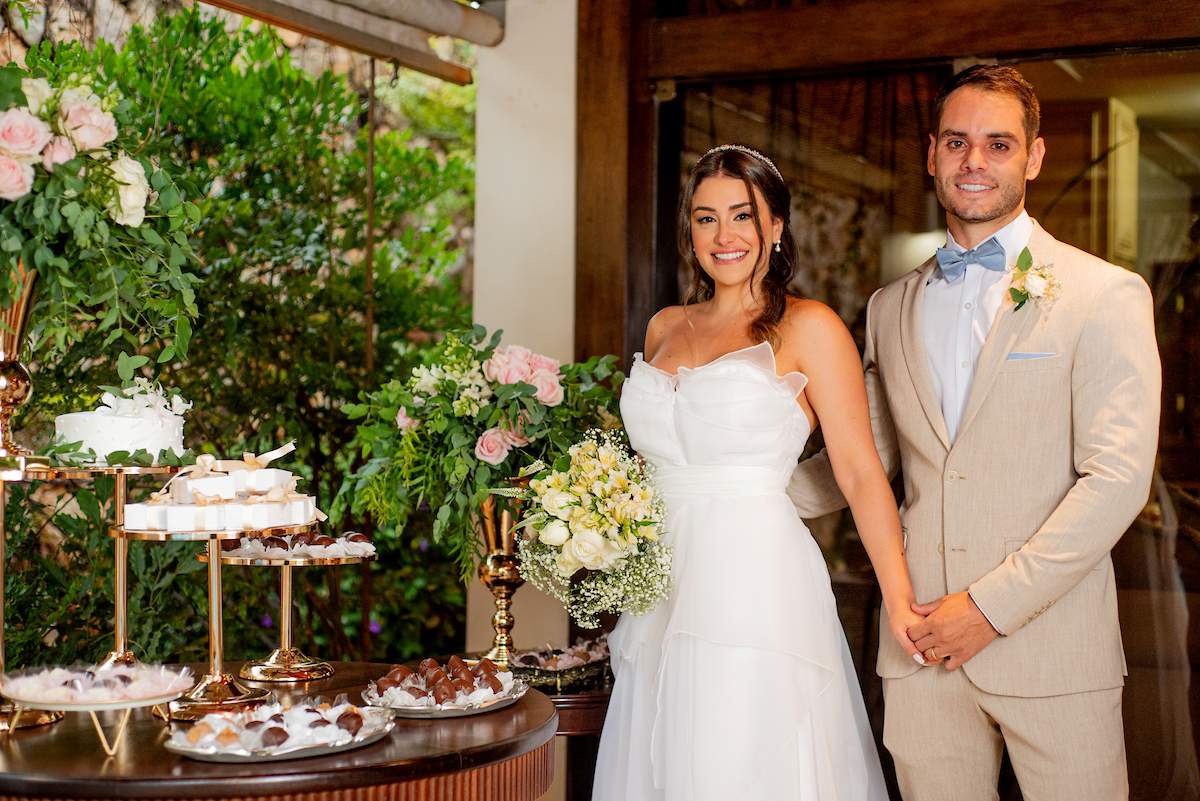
(748, 152)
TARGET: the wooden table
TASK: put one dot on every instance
(506, 755)
(581, 717)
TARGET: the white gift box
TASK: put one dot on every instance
(242, 516)
(302, 510)
(145, 516)
(223, 487)
(190, 517)
(258, 482)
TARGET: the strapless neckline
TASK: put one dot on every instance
(639, 358)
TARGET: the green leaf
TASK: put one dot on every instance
(167, 354)
(127, 365)
(1025, 260)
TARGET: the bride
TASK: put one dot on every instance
(740, 685)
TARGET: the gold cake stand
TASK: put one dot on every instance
(287, 662)
(28, 470)
(217, 691)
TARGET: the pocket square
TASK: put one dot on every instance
(1019, 356)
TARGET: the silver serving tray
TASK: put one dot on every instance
(210, 754)
(518, 690)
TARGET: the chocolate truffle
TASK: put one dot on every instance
(324, 540)
(303, 538)
(427, 665)
(274, 542)
(492, 683)
(487, 666)
(350, 720)
(385, 684)
(463, 685)
(399, 673)
(274, 736)
(254, 725)
(454, 663)
(435, 676)
(531, 660)
(319, 723)
(230, 545)
(276, 718)
(357, 536)
(417, 693)
(444, 691)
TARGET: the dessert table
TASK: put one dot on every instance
(504, 755)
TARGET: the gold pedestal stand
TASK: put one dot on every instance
(500, 569)
(217, 691)
(288, 663)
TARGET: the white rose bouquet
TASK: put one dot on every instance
(591, 532)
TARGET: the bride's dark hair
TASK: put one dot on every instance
(776, 281)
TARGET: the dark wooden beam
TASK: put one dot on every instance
(832, 35)
(602, 177)
(283, 15)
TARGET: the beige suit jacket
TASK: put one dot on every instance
(1051, 464)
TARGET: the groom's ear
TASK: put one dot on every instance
(1037, 152)
(929, 155)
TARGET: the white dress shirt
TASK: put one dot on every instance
(956, 319)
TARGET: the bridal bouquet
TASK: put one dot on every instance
(473, 415)
(590, 534)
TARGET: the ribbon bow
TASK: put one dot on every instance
(953, 264)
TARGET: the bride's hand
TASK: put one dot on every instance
(901, 620)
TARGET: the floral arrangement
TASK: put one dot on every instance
(473, 415)
(1033, 282)
(105, 231)
(590, 533)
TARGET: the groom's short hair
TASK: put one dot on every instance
(994, 78)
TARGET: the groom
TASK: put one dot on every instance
(1026, 433)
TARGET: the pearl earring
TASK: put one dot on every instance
(778, 248)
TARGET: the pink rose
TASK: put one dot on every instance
(16, 178)
(403, 421)
(59, 151)
(548, 389)
(508, 365)
(89, 127)
(539, 362)
(516, 437)
(22, 135)
(492, 446)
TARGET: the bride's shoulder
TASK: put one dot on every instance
(661, 326)
(807, 320)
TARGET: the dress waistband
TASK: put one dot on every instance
(724, 480)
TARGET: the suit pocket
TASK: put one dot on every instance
(1033, 365)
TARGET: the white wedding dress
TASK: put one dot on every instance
(740, 684)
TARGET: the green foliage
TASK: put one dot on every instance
(276, 163)
(452, 403)
(111, 263)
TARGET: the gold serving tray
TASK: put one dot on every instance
(156, 535)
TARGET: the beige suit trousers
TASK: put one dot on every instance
(947, 737)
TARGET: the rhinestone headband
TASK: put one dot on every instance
(748, 152)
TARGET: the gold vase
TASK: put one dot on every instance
(500, 568)
(16, 386)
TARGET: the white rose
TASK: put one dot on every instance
(592, 550)
(37, 91)
(554, 533)
(80, 95)
(1035, 284)
(133, 190)
(558, 503)
(566, 563)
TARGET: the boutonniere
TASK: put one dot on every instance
(1036, 282)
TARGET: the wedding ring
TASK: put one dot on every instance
(933, 655)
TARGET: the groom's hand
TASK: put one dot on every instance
(954, 630)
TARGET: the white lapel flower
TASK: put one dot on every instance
(1036, 282)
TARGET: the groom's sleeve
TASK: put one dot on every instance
(813, 489)
(1116, 385)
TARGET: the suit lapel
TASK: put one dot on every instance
(1006, 329)
(911, 339)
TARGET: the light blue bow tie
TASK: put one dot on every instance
(953, 264)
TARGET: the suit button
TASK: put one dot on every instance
(941, 547)
(952, 475)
